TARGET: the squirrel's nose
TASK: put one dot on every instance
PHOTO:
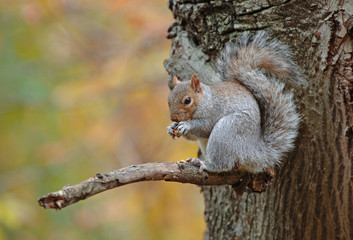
(174, 118)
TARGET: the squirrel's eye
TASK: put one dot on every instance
(187, 100)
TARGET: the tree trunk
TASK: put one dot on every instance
(312, 196)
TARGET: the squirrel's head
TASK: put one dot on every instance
(184, 99)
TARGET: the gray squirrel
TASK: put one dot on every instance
(245, 120)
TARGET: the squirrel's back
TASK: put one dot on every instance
(245, 61)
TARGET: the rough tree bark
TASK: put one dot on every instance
(312, 196)
(182, 172)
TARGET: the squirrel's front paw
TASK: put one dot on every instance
(183, 128)
(172, 130)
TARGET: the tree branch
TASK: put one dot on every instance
(183, 172)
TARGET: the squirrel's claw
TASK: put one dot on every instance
(178, 129)
(183, 127)
(171, 129)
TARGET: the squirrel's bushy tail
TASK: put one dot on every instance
(244, 61)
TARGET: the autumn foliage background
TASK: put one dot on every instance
(83, 91)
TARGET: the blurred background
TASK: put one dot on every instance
(83, 91)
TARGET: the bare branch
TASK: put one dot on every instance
(182, 172)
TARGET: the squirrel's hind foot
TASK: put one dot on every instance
(197, 162)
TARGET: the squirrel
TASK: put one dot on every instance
(245, 120)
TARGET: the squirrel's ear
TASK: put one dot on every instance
(175, 81)
(195, 83)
